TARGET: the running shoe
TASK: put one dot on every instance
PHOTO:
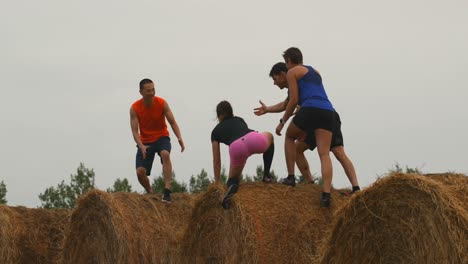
(291, 181)
(267, 179)
(166, 196)
(232, 189)
(325, 200)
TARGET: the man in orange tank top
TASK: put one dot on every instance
(148, 122)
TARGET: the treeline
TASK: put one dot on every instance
(64, 194)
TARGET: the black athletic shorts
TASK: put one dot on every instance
(337, 137)
(312, 118)
(164, 143)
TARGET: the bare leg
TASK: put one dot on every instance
(292, 133)
(233, 185)
(235, 172)
(143, 179)
(348, 166)
(323, 139)
(301, 160)
(269, 137)
(167, 168)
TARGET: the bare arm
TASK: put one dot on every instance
(175, 127)
(216, 161)
(136, 135)
(277, 108)
(292, 76)
(293, 93)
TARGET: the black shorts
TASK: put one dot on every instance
(164, 143)
(312, 118)
(337, 137)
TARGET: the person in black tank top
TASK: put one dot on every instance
(278, 74)
(316, 113)
(242, 142)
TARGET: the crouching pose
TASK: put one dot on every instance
(243, 142)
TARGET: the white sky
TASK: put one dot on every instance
(396, 71)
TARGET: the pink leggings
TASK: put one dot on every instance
(242, 148)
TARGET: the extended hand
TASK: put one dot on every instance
(260, 110)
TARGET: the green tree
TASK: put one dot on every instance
(258, 177)
(223, 176)
(398, 169)
(120, 186)
(201, 181)
(64, 195)
(159, 184)
(3, 192)
(260, 172)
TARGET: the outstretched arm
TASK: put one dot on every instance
(175, 127)
(277, 108)
(216, 161)
(292, 77)
(136, 136)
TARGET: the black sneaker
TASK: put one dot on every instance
(232, 189)
(166, 196)
(291, 181)
(325, 200)
(267, 179)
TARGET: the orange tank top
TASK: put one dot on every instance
(151, 120)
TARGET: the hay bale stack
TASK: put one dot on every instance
(267, 223)
(458, 182)
(402, 218)
(31, 235)
(126, 228)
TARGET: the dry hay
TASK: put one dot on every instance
(126, 228)
(267, 223)
(31, 235)
(458, 182)
(402, 218)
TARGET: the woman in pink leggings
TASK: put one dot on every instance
(243, 142)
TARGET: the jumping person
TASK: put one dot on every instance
(148, 123)
(316, 114)
(243, 142)
(278, 74)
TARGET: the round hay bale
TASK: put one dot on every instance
(126, 228)
(458, 182)
(31, 235)
(267, 223)
(402, 218)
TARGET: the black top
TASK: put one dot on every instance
(230, 129)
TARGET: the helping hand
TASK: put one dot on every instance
(260, 110)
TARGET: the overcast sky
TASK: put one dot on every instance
(396, 71)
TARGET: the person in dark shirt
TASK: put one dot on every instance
(243, 142)
(316, 114)
(278, 74)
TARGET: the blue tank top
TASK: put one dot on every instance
(311, 91)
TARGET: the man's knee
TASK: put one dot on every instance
(141, 171)
(339, 153)
(301, 147)
(165, 155)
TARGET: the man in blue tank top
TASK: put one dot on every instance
(316, 114)
(278, 73)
